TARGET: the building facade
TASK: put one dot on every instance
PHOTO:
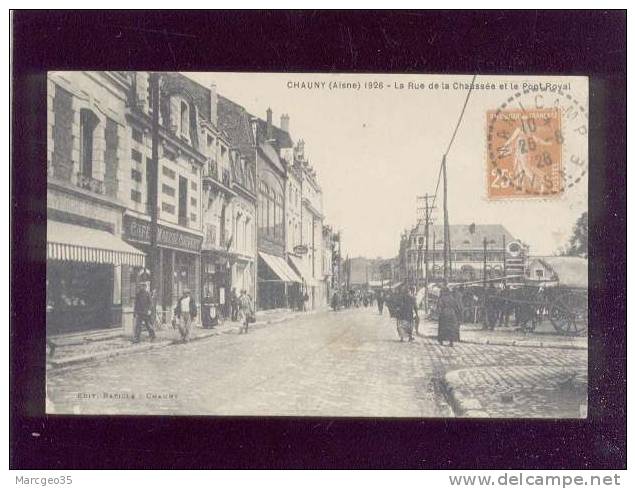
(469, 245)
(88, 168)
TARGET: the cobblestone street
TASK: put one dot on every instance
(348, 363)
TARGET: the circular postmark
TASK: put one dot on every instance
(536, 142)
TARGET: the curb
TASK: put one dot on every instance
(526, 344)
(461, 405)
(79, 359)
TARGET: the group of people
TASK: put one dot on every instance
(347, 298)
(403, 307)
(185, 313)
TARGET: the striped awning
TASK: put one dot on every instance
(280, 267)
(70, 242)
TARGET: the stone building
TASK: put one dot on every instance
(88, 189)
(277, 281)
(504, 254)
(182, 150)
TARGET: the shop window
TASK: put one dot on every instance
(88, 124)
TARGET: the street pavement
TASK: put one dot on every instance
(346, 363)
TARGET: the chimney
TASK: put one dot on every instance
(213, 104)
(284, 122)
(269, 124)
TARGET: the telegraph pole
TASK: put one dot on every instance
(153, 184)
(446, 227)
(428, 211)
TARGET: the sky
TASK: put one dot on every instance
(375, 150)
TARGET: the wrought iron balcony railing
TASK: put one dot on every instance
(89, 183)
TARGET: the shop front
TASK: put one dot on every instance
(275, 282)
(179, 263)
(217, 280)
(84, 279)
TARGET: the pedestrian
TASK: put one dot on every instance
(245, 311)
(407, 315)
(334, 301)
(450, 314)
(233, 304)
(186, 311)
(143, 313)
(380, 301)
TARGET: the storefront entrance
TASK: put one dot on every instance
(79, 297)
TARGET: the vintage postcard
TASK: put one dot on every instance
(319, 244)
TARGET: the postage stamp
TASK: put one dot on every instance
(526, 154)
(536, 141)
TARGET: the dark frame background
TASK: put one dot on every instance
(589, 43)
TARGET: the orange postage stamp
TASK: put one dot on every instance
(525, 153)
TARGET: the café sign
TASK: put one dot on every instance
(138, 230)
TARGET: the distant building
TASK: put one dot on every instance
(568, 271)
(504, 254)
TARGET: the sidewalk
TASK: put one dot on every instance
(521, 391)
(543, 337)
(77, 349)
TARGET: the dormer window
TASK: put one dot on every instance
(185, 120)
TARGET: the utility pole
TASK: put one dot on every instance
(505, 267)
(153, 184)
(446, 227)
(484, 272)
(428, 211)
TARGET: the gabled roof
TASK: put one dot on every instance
(571, 271)
(468, 236)
(266, 150)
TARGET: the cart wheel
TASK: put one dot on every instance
(568, 313)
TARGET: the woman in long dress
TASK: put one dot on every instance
(450, 314)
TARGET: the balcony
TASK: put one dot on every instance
(89, 183)
(211, 170)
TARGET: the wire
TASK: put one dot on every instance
(450, 144)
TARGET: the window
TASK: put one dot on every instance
(210, 141)
(539, 273)
(168, 172)
(193, 217)
(135, 195)
(88, 123)
(185, 119)
(135, 155)
(169, 208)
(193, 202)
(194, 186)
(183, 201)
(135, 175)
(168, 190)
(137, 135)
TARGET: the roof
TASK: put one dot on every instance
(282, 138)
(271, 155)
(234, 120)
(571, 271)
(468, 236)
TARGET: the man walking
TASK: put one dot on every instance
(245, 311)
(143, 312)
(380, 301)
(186, 311)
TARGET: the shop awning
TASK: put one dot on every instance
(78, 243)
(280, 267)
(297, 264)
